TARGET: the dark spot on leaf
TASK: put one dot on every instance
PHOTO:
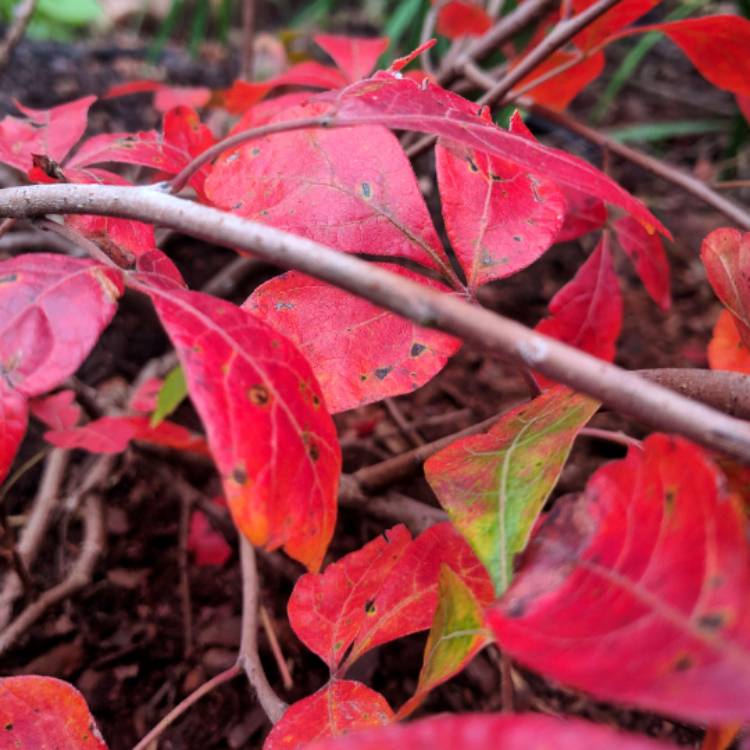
(9, 279)
(255, 151)
(284, 306)
(275, 343)
(472, 164)
(683, 663)
(314, 451)
(239, 475)
(712, 621)
(381, 372)
(237, 206)
(315, 401)
(263, 212)
(517, 238)
(515, 608)
(9, 727)
(366, 190)
(417, 349)
(370, 607)
(259, 395)
(670, 496)
(363, 376)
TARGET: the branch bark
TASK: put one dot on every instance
(22, 15)
(621, 390)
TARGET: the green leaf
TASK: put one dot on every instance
(494, 486)
(456, 637)
(172, 393)
(661, 131)
(70, 12)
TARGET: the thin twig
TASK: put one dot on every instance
(409, 432)
(186, 606)
(428, 30)
(273, 642)
(249, 659)
(35, 529)
(562, 33)
(22, 15)
(614, 437)
(184, 705)
(621, 390)
(78, 577)
(248, 39)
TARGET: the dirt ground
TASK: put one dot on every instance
(121, 640)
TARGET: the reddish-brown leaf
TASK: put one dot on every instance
(359, 352)
(42, 713)
(352, 189)
(636, 591)
(646, 251)
(492, 732)
(727, 350)
(384, 591)
(726, 255)
(494, 486)
(268, 429)
(499, 217)
(209, 547)
(459, 18)
(355, 56)
(584, 214)
(558, 91)
(401, 103)
(47, 132)
(587, 311)
(342, 706)
(167, 97)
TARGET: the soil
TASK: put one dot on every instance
(122, 639)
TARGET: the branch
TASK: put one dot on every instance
(22, 15)
(621, 390)
(248, 39)
(249, 658)
(676, 176)
(562, 33)
(79, 575)
(184, 705)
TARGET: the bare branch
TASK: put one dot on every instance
(249, 659)
(22, 15)
(621, 390)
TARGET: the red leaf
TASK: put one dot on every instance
(60, 412)
(559, 91)
(726, 350)
(103, 435)
(492, 732)
(355, 56)
(48, 132)
(716, 45)
(646, 251)
(52, 310)
(459, 18)
(340, 707)
(327, 611)
(401, 103)
(637, 591)
(144, 399)
(726, 255)
(499, 218)
(616, 18)
(584, 214)
(207, 545)
(587, 311)
(184, 131)
(167, 97)
(352, 189)
(272, 439)
(42, 713)
(384, 591)
(359, 352)
(13, 420)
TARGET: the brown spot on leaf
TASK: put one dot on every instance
(417, 349)
(315, 401)
(712, 621)
(259, 395)
(8, 278)
(472, 164)
(370, 607)
(239, 475)
(365, 190)
(683, 663)
(381, 372)
(313, 451)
